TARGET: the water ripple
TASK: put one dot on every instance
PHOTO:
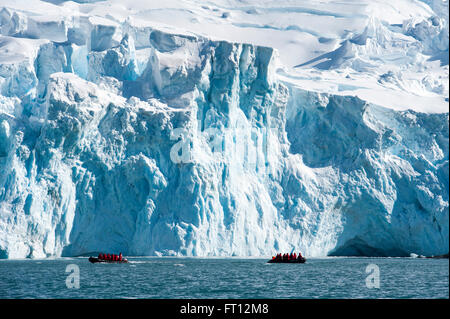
(225, 278)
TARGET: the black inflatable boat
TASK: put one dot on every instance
(97, 260)
(290, 261)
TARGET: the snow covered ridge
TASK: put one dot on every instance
(121, 133)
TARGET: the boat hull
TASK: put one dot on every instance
(96, 260)
(296, 261)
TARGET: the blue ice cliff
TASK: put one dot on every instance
(115, 137)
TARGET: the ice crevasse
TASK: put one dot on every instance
(150, 142)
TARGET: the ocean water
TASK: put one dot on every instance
(225, 278)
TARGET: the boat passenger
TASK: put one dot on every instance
(120, 257)
(295, 256)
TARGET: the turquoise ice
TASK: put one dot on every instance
(150, 142)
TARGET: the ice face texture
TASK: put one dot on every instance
(117, 137)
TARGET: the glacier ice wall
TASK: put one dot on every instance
(120, 138)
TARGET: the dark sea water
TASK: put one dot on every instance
(225, 278)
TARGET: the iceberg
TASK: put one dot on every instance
(116, 135)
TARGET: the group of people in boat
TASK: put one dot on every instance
(285, 257)
(110, 257)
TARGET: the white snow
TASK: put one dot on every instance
(223, 127)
